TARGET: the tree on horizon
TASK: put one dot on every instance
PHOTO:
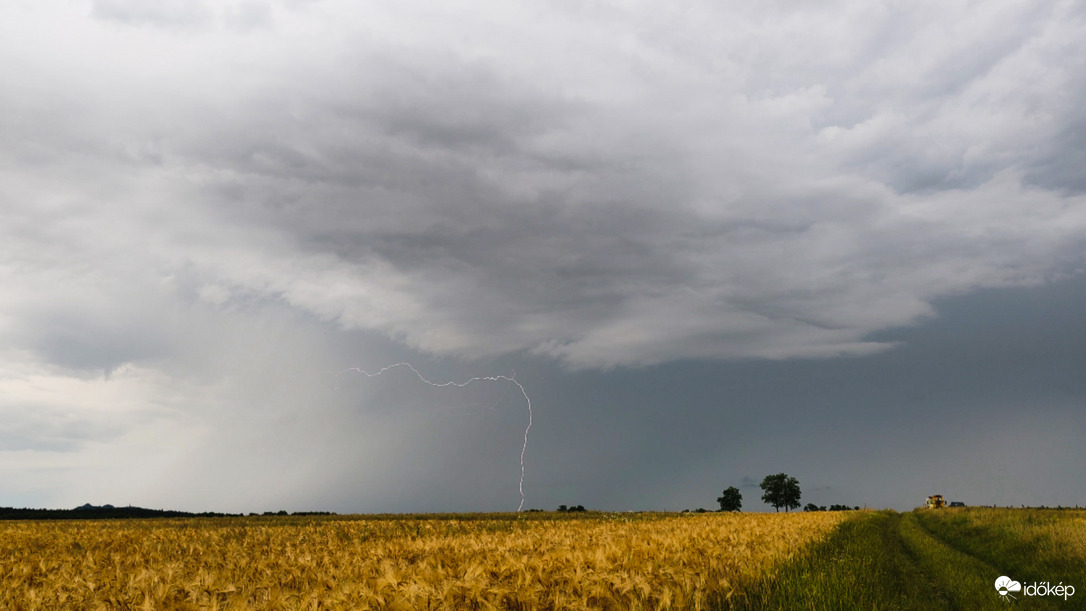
(732, 500)
(781, 490)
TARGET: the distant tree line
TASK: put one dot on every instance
(813, 507)
(283, 512)
(109, 512)
(101, 512)
(565, 509)
(779, 490)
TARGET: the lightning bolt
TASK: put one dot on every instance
(512, 379)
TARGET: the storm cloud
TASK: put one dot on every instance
(192, 187)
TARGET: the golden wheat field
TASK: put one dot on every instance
(603, 561)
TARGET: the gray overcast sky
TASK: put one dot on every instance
(713, 240)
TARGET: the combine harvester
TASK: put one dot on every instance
(936, 501)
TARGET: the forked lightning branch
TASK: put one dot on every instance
(499, 378)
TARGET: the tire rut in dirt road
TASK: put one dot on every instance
(966, 581)
(894, 542)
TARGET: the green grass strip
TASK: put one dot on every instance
(922, 560)
(862, 565)
(965, 580)
(1027, 544)
(1030, 546)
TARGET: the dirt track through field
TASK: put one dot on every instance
(945, 559)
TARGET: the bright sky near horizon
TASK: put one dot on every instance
(714, 240)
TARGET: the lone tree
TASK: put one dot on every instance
(781, 491)
(732, 499)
